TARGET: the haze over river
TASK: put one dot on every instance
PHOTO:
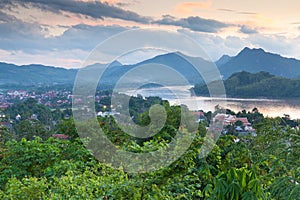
(177, 95)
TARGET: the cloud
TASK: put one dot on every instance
(24, 46)
(4, 18)
(248, 30)
(193, 23)
(25, 43)
(226, 10)
(74, 45)
(277, 44)
(188, 7)
(94, 9)
(17, 34)
(248, 13)
(67, 59)
(28, 37)
(237, 12)
(216, 46)
(85, 37)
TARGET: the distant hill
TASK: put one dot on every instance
(253, 85)
(256, 60)
(250, 60)
(181, 63)
(223, 60)
(176, 61)
(28, 75)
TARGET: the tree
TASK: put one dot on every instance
(238, 123)
(30, 129)
(67, 127)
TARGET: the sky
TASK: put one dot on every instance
(63, 32)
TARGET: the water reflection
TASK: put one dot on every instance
(269, 107)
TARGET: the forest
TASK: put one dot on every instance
(255, 85)
(35, 165)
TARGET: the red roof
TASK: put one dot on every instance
(60, 136)
(198, 113)
(242, 119)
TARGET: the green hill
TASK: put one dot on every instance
(28, 75)
(253, 85)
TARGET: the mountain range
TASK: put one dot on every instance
(248, 60)
(28, 75)
(256, 60)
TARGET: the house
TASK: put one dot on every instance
(34, 117)
(199, 116)
(60, 136)
(239, 129)
(244, 120)
(230, 120)
(18, 117)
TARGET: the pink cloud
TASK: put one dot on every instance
(188, 7)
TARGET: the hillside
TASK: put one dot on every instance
(28, 75)
(256, 60)
(262, 84)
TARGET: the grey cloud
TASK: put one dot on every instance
(120, 4)
(127, 3)
(226, 10)
(238, 12)
(85, 37)
(63, 26)
(6, 18)
(193, 23)
(277, 43)
(247, 30)
(18, 35)
(247, 13)
(215, 46)
(11, 27)
(28, 37)
(95, 9)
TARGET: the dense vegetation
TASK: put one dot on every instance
(262, 84)
(262, 167)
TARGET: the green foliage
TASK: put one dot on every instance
(262, 84)
(28, 108)
(264, 167)
(30, 129)
(67, 127)
(238, 123)
(237, 184)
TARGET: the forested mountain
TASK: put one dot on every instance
(35, 74)
(256, 60)
(253, 85)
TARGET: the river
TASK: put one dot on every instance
(177, 95)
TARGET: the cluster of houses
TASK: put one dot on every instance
(241, 125)
(52, 98)
(228, 124)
